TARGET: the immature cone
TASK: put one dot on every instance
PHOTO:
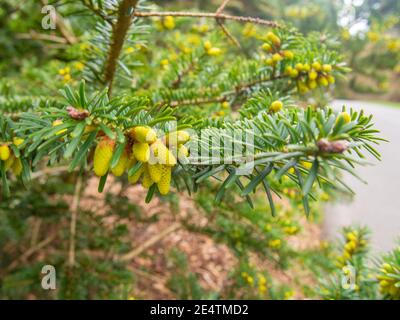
(345, 116)
(327, 68)
(102, 156)
(323, 81)
(17, 167)
(119, 169)
(162, 154)
(135, 177)
(317, 66)
(276, 106)
(274, 39)
(155, 171)
(143, 134)
(9, 162)
(18, 141)
(177, 138)
(4, 152)
(131, 161)
(147, 182)
(141, 151)
(312, 75)
(165, 182)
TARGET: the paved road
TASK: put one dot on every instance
(377, 204)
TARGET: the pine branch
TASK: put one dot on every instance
(197, 101)
(33, 35)
(120, 30)
(238, 89)
(208, 15)
(222, 6)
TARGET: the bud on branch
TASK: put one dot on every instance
(339, 146)
(77, 114)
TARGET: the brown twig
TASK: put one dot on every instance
(120, 29)
(49, 171)
(175, 84)
(35, 231)
(74, 216)
(152, 241)
(198, 101)
(33, 35)
(223, 27)
(31, 251)
(207, 15)
(222, 6)
(229, 34)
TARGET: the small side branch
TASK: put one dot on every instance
(220, 16)
(222, 6)
(74, 217)
(223, 27)
(33, 35)
(149, 243)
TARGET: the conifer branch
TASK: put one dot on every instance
(219, 99)
(211, 15)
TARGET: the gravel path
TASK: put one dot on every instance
(377, 204)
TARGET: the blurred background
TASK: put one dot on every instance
(367, 33)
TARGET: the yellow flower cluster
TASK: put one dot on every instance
(302, 12)
(275, 243)
(202, 28)
(248, 278)
(167, 23)
(272, 46)
(288, 294)
(262, 284)
(393, 45)
(354, 243)
(290, 230)
(276, 106)
(11, 161)
(344, 116)
(310, 76)
(156, 156)
(249, 30)
(373, 36)
(210, 50)
(65, 73)
(388, 280)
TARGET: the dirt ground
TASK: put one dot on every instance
(210, 261)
